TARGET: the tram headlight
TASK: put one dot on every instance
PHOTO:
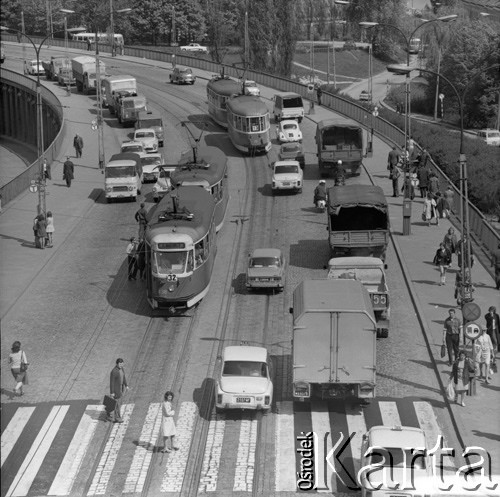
(171, 287)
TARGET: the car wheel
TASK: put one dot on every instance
(300, 120)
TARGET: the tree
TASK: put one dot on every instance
(150, 20)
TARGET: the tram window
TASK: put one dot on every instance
(256, 124)
(189, 267)
(217, 192)
(170, 262)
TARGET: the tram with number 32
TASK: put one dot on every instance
(181, 244)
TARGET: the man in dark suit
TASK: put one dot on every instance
(117, 387)
(493, 327)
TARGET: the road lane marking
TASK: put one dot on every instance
(213, 451)
(390, 414)
(245, 458)
(285, 448)
(321, 426)
(356, 423)
(70, 466)
(428, 422)
(136, 477)
(34, 459)
(110, 453)
(13, 431)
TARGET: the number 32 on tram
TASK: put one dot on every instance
(180, 248)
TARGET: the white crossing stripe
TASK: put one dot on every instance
(356, 423)
(13, 431)
(245, 458)
(327, 481)
(285, 448)
(177, 461)
(428, 422)
(213, 451)
(110, 453)
(390, 414)
(136, 477)
(73, 459)
(33, 461)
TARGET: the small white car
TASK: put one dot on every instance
(163, 184)
(150, 163)
(194, 47)
(33, 68)
(148, 138)
(245, 379)
(250, 88)
(132, 146)
(287, 175)
(289, 131)
(266, 269)
(490, 137)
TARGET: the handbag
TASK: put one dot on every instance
(24, 365)
(450, 390)
(443, 350)
(424, 217)
(109, 403)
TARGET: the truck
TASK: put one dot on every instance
(119, 85)
(333, 341)
(84, 72)
(128, 108)
(370, 271)
(358, 221)
(340, 139)
(123, 177)
(151, 119)
(53, 65)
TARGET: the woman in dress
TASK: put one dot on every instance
(50, 229)
(18, 366)
(167, 423)
(443, 260)
(430, 210)
(41, 230)
(460, 374)
(484, 351)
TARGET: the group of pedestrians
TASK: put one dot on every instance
(43, 230)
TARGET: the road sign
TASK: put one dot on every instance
(33, 181)
(94, 126)
(471, 311)
(472, 330)
(441, 97)
(33, 188)
(375, 111)
(310, 88)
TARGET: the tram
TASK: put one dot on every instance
(248, 124)
(181, 245)
(219, 89)
(210, 175)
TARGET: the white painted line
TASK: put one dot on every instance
(110, 453)
(136, 477)
(428, 422)
(13, 431)
(177, 460)
(286, 479)
(327, 481)
(213, 451)
(390, 414)
(70, 466)
(31, 464)
(356, 423)
(245, 458)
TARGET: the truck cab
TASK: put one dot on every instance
(151, 119)
(129, 108)
(123, 176)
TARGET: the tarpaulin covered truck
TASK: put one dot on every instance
(84, 71)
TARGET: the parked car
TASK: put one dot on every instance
(490, 136)
(182, 75)
(194, 47)
(163, 184)
(147, 136)
(293, 151)
(365, 96)
(150, 163)
(33, 68)
(65, 77)
(250, 88)
(245, 379)
(266, 269)
(287, 175)
(288, 131)
(132, 146)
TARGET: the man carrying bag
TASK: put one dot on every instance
(117, 387)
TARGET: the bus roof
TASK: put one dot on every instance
(247, 105)
(338, 121)
(225, 87)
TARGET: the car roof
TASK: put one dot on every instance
(266, 252)
(289, 121)
(150, 130)
(400, 436)
(245, 353)
(291, 145)
(287, 163)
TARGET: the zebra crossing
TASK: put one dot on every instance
(69, 449)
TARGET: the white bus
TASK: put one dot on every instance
(103, 37)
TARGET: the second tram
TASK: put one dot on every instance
(219, 90)
(180, 248)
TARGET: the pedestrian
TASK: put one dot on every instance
(461, 374)
(451, 336)
(141, 216)
(463, 291)
(89, 45)
(463, 252)
(18, 367)
(78, 144)
(433, 184)
(495, 262)
(493, 328)
(131, 259)
(429, 212)
(319, 93)
(450, 241)
(443, 260)
(484, 352)
(167, 423)
(41, 231)
(68, 172)
(141, 259)
(408, 189)
(393, 158)
(441, 206)
(410, 146)
(121, 47)
(424, 158)
(50, 230)
(423, 180)
(46, 170)
(117, 387)
(449, 196)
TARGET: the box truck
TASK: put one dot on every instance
(84, 72)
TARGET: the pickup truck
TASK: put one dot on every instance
(194, 47)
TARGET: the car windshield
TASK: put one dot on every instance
(186, 71)
(170, 262)
(144, 134)
(128, 104)
(120, 172)
(493, 134)
(147, 161)
(165, 173)
(290, 127)
(245, 368)
(132, 148)
(264, 262)
(395, 458)
(151, 122)
(286, 169)
(292, 102)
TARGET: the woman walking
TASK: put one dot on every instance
(461, 373)
(450, 241)
(429, 212)
(167, 423)
(484, 353)
(50, 229)
(41, 230)
(18, 367)
(443, 260)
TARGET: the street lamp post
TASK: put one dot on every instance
(66, 12)
(333, 21)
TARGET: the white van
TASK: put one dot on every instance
(123, 176)
(288, 106)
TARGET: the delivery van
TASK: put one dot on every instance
(288, 106)
(123, 177)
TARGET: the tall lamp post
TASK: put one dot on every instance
(333, 21)
(406, 154)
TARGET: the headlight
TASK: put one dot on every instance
(130, 188)
(109, 189)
